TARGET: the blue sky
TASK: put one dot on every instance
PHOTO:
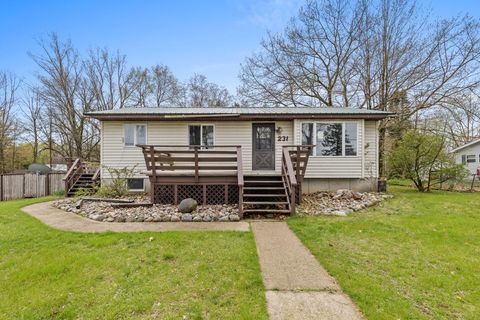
(208, 37)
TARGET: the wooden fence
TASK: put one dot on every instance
(29, 185)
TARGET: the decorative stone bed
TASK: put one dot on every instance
(111, 212)
(138, 209)
(338, 203)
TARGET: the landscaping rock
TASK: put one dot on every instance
(234, 217)
(97, 217)
(339, 203)
(187, 217)
(109, 212)
(187, 206)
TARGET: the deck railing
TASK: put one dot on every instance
(195, 161)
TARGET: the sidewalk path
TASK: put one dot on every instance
(68, 221)
(298, 287)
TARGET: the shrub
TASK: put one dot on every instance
(59, 193)
(422, 158)
(118, 185)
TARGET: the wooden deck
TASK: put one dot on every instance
(215, 175)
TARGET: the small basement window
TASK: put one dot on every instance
(136, 184)
(471, 158)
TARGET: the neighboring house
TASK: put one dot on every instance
(468, 155)
(258, 140)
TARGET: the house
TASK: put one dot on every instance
(468, 155)
(251, 156)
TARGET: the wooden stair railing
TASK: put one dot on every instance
(289, 180)
(240, 181)
(294, 165)
(86, 172)
(72, 174)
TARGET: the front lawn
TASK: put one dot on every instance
(416, 256)
(50, 274)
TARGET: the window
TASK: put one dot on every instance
(331, 139)
(201, 135)
(464, 159)
(350, 139)
(471, 158)
(135, 134)
(136, 184)
(307, 134)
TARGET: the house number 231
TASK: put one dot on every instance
(282, 138)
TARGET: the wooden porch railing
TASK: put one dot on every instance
(294, 165)
(195, 165)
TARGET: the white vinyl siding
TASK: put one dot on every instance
(363, 165)
(115, 154)
(370, 147)
(469, 157)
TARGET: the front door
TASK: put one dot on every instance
(263, 146)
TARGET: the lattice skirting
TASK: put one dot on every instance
(202, 193)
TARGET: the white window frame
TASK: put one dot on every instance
(314, 140)
(136, 190)
(135, 134)
(201, 132)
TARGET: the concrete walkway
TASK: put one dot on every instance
(67, 221)
(298, 287)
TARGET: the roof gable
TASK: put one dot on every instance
(474, 142)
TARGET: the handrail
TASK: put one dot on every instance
(186, 146)
(288, 162)
(240, 166)
(96, 175)
(193, 159)
(240, 180)
(73, 167)
(289, 179)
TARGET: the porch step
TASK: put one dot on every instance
(263, 181)
(259, 195)
(265, 195)
(266, 211)
(263, 188)
(266, 202)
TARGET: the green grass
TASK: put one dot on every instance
(50, 274)
(416, 256)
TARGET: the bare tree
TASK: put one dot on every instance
(108, 79)
(9, 85)
(310, 63)
(66, 92)
(142, 94)
(202, 93)
(33, 112)
(166, 88)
